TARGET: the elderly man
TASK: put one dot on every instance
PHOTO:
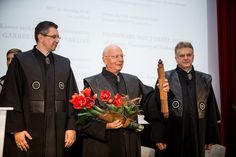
(104, 139)
(38, 85)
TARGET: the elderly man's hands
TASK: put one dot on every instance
(114, 125)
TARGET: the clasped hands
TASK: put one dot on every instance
(22, 144)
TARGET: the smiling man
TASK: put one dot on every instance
(192, 124)
(38, 85)
(104, 139)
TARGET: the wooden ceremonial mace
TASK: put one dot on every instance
(163, 94)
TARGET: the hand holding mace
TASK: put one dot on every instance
(163, 94)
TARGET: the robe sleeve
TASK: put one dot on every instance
(11, 96)
(146, 93)
(213, 117)
(154, 117)
(71, 115)
(93, 127)
(152, 112)
(150, 106)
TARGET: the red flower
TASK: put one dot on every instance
(118, 101)
(78, 101)
(89, 103)
(86, 92)
(105, 95)
(86, 102)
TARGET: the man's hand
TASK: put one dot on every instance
(165, 86)
(114, 125)
(70, 136)
(161, 146)
(21, 141)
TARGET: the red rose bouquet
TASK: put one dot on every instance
(119, 107)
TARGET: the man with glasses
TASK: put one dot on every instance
(103, 139)
(193, 112)
(38, 86)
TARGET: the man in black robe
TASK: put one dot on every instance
(38, 86)
(102, 139)
(10, 55)
(193, 112)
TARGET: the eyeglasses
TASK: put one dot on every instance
(52, 36)
(188, 55)
(116, 56)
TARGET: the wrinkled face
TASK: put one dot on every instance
(50, 40)
(113, 58)
(184, 58)
(10, 56)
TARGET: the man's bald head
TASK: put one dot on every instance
(113, 58)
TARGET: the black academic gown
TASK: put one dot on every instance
(101, 142)
(1, 82)
(39, 91)
(193, 115)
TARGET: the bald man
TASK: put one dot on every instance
(111, 139)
